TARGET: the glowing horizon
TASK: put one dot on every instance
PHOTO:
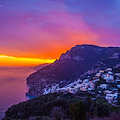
(11, 61)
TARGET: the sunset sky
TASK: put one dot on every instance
(39, 31)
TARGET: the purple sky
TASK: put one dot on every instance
(47, 28)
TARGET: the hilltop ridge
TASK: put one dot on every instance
(72, 65)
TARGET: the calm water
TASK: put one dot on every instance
(12, 87)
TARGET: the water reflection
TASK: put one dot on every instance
(13, 87)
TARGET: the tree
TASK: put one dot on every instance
(78, 111)
(57, 113)
(102, 110)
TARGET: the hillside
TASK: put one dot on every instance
(72, 65)
(38, 67)
(59, 103)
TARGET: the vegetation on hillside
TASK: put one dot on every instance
(59, 106)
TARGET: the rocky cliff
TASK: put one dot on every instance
(71, 65)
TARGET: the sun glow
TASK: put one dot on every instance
(19, 61)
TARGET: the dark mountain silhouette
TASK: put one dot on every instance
(71, 65)
(40, 66)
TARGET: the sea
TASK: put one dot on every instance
(13, 87)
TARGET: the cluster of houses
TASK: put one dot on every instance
(110, 85)
(105, 83)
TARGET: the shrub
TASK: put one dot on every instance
(78, 110)
(58, 113)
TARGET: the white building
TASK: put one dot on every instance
(98, 75)
(117, 80)
(79, 80)
(103, 86)
(109, 78)
(96, 80)
(109, 97)
(91, 84)
(110, 73)
(117, 74)
(85, 80)
(109, 69)
(83, 88)
(108, 92)
(118, 86)
(115, 96)
(78, 85)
